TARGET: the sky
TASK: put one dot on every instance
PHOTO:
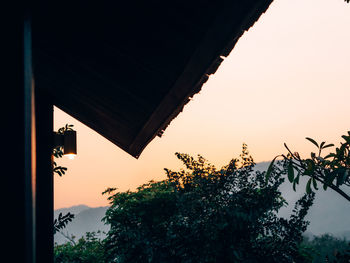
(287, 78)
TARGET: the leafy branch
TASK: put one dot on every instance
(70, 238)
(331, 170)
(62, 221)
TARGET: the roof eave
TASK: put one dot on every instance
(224, 30)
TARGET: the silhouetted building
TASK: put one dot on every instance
(123, 68)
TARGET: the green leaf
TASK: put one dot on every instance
(330, 155)
(321, 145)
(297, 178)
(346, 138)
(290, 172)
(340, 153)
(294, 183)
(308, 186)
(269, 169)
(310, 167)
(342, 176)
(328, 145)
(325, 187)
(314, 183)
(330, 177)
(313, 141)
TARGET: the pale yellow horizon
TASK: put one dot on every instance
(287, 78)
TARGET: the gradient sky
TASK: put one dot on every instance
(287, 78)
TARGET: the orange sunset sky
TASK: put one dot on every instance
(287, 78)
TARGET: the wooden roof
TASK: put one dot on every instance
(127, 68)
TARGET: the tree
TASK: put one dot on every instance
(331, 170)
(204, 214)
(328, 247)
(88, 249)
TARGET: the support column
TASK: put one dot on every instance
(18, 155)
(44, 177)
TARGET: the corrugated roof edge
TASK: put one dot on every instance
(138, 146)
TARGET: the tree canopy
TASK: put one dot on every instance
(204, 214)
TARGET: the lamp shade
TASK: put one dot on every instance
(70, 143)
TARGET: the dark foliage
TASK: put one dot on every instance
(62, 221)
(58, 151)
(88, 249)
(327, 248)
(331, 170)
(202, 214)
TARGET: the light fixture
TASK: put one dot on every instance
(67, 140)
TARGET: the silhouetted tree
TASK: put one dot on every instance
(88, 249)
(326, 248)
(202, 214)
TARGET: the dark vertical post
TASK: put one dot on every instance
(29, 142)
(18, 161)
(44, 177)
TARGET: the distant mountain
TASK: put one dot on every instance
(330, 213)
(86, 219)
(73, 209)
